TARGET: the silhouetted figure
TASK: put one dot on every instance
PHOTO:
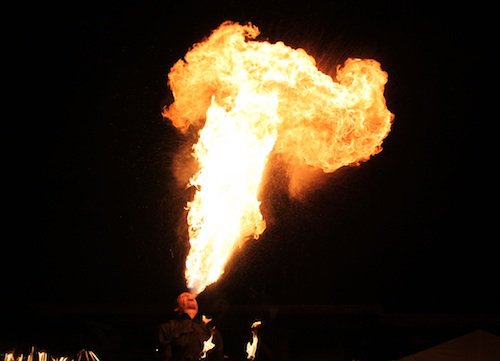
(189, 337)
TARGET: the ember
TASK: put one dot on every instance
(246, 99)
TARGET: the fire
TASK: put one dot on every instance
(247, 99)
(207, 346)
(9, 356)
(82, 355)
(251, 347)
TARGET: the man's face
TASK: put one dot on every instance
(187, 301)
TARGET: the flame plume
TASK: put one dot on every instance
(247, 99)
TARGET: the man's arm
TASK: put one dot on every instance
(219, 346)
(164, 339)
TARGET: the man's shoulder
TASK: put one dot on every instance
(171, 322)
(176, 326)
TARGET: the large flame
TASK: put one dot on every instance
(247, 99)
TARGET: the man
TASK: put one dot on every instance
(189, 337)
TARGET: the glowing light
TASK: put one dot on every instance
(251, 347)
(207, 346)
(245, 100)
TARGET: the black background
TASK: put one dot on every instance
(92, 212)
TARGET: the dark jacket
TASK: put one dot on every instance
(181, 339)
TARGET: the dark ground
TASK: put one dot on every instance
(287, 333)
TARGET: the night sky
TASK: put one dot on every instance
(93, 213)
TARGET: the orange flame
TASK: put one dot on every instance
(250, 98)
(251, 347)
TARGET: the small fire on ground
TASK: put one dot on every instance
(36, 355)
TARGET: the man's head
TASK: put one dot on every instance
(186, 303)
